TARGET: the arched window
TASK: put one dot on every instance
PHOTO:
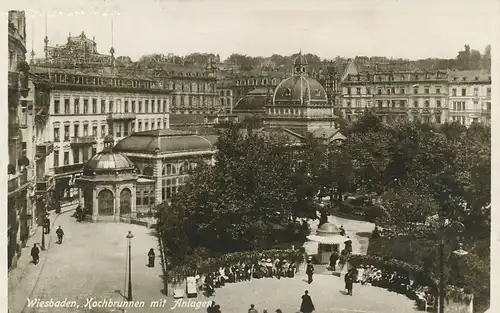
(273, 81)
(106, 202)
(264, 81)
(164, 171)
(125, 202)
(184, 168)
(288, 92)
(318, 92)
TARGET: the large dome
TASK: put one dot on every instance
(300, 90)
(108, 161)
(254, 101)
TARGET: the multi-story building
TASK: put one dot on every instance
(396, 95)
(469, 97)
(90, 100)
(27, 180)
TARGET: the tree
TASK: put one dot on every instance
(463, 58)
(486, 61)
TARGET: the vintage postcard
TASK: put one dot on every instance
(249, 156)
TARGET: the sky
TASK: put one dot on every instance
(408, 29)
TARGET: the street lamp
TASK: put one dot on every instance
(129, 237)
(459, 252)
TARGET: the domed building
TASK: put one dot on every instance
(253, 104)
(108, 185)
(126, 181)
(300, 103)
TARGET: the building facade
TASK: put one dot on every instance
(469, 97)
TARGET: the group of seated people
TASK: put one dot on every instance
(371, 276)
(246, 271)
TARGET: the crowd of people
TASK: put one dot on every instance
(265, 268)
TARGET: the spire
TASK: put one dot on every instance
(46, 39)
(32, 44)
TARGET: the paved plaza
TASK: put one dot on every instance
(91, 264)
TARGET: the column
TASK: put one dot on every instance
(116, 204)
(133, 199)
(158, 178)
(95, 205)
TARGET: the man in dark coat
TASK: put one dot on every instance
(307, 305)
(60, 234)
(309, 272)
(333, 260)
(35, 254)
(348, 282)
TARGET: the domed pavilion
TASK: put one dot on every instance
(108, 185)
(300, 103)
(328, 238)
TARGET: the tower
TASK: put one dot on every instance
(300, 65)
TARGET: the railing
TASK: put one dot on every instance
(68, 168)
(18, 181)
(44, 149)
(83, 140)
(121, 116)
(44, 184)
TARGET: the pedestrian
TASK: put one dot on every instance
(348, 279)
(60, 234)
(151, 258)
(46, 224)
(35, 254)
(309, 272)
(342, 230)
(333, 260)
(252, 309)
(307, 305)
(211, 308)
(279, 311)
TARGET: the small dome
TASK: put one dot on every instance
(328, 229)
(107, 160)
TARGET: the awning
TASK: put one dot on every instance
(328, 240)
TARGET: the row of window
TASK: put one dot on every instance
(132, 83)
(119, 129)
(253, 82)
(475, 92)
(172, 186)
(388, 91)
(226, 93)
(393, 118)
(385, 77)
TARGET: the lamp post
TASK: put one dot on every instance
(459, 252)
(129, 237)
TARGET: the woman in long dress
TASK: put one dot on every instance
(307, 305)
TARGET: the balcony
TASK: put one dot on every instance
(45, 184)
(44, 149)
(68, 169)
(121, 116)
(83, 141)
(18, 182)
(13, 80)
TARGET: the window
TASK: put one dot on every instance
(427, 103)
(85, 130)
(103, 130)
(111, 106)
(488, 106)
(454, 92)
(103, 106)
(415, 90)
(146, 106)
(368, 91)
(388, 91)
(401, 103)
(153, 106)
(76, 130)
(379, 91)
(126, 106)
(57, 107)
(488, 92)
(348, 91)
(476, 104)
(358, 103)
(288, 92)
(402, 78)
(77, 106)
(438, 103)
(464, 92)
(94, 105)
(379, 103)
(139, 126)
(164, 108)
(415, 104)
(76, 156)
(476, 91)
(438, 118)
(348, 104)
(438, 90)
(66, 157)
(66, 106)
(125, 129)
(133, 106)
(393, 103)
(85, 106)
(139, 110)
(56, 158)
(94, 131)
(66, 132)
(402, 91)
(146, 126)
(56, 134)
(426, 90)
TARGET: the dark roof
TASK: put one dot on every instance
(470, 76)
(255, 100)
(163, 141)
(291, 89)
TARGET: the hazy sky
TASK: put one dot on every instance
(408, 29)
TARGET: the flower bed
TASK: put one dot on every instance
(201, 267)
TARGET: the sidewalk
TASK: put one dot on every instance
(23, 279)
